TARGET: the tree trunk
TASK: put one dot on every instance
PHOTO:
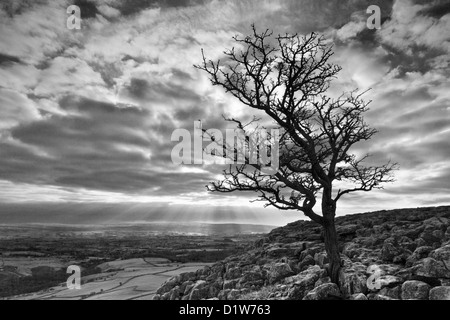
(332, 248)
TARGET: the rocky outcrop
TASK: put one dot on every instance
(386, 255)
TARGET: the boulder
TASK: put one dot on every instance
(415, 290)
(233, 273)
(442, 254)
(222, 295)
(215, 288)
(379, 228)
(203, 272)
(432, 268)
(445, 282)
(440, 293)
(279, 252)
(351, 249)
(347, 230)
(187, 276)
(436, 223)
(314, 237)
(321, 258)
(167, 286)
(395, 251)
(358, 296)
(389, 281)
(213, 276)
(303, 282)
(175, 293)
(401, 258)
(439, 234)
(394, 293)
(323, 292)
(298, 246)
(196, 295)
(364, 232)
(233, 294)
(322, 281)
(199, 291)
(310, 251)
(389, 251)
(413, 233)
(373, 296)
(418, 254)
(188, 287)
(430, 237)
(183, 285)
(353, 279)
(279, 271)
(420, 242)
(255, 276)
(385, 269)
(306, 262)
(230, 284)
(165, 296)
(406, 243)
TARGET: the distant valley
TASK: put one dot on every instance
(128, 261)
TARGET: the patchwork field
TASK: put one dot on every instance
(132, 279)
(117, 262)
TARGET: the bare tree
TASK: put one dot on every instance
(287, 77)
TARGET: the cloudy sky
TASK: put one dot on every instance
(86, 116)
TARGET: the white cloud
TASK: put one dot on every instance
(70, 76)
(15, 109)
(159, 47)
(36, 33)
(108, 11)
(408, 27)
(19, 77)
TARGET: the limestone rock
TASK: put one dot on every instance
(279, 271)
(303, 282)
(199, 291)
(358, 296)
(306, 262)
(233, 294)
(322, 281)
(442, 254)
(167, 286)
(389, 281)
(323, 292)
(373, 296)
(394, 293)
(353, 279)
(223, 294)
(233, 273)
(440, 293)
(418, 254)
(416, 290)
(432, 268)
(321, 258)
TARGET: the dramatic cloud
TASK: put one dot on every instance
(87, 115)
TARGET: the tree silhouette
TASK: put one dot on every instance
(287, 77)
